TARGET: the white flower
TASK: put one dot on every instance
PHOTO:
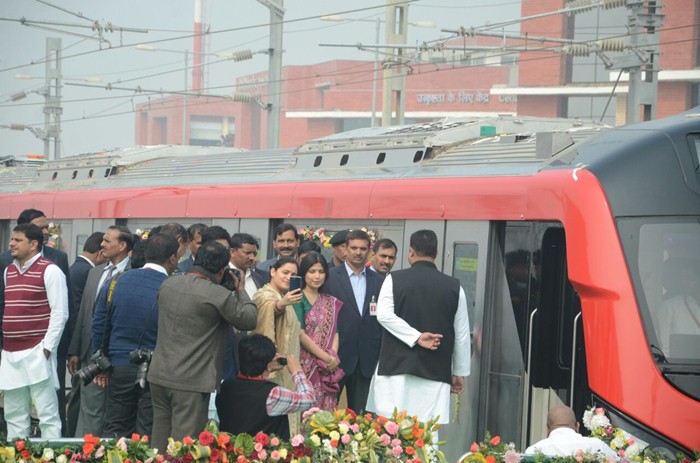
(599, 421)
(343, 428)
(48, 454)
(61, 459)
(632, 451)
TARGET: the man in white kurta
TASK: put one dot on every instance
(420, 396)
(31, 335)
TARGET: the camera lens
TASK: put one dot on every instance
(282, 361)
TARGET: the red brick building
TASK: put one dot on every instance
(482, 78)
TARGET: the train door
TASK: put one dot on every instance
(532, 333)
(464, 257)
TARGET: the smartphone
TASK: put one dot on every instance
(294, 283)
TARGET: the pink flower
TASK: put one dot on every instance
(258, 447)
(600, 411)
(511, 456)
(396, 442)
(121, 444)
(391, 427)
(100, 452)
(345, 439)
(297, 440)
(262, 455)
(397, 450)
(474, 448)
(355, 428)
(275, 455)
(275, 441)
(385, 439)
(310, 412)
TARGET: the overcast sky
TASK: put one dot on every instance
(95, 119)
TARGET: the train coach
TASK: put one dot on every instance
(578, 246)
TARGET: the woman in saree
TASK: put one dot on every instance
(318, 316)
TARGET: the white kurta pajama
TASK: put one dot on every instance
(422, 397)
(28, 375)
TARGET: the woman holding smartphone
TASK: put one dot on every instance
(277, 320)
(318, 315)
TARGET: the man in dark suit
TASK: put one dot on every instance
(360, 333)
(194, 234)
(90, 257)
(60, 258)
(116, 244)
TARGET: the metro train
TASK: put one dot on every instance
(571, 241)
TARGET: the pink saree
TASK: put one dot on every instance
(321, 325)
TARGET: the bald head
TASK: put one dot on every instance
(561, 417)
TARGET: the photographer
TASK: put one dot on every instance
(195, 313)
(251, 402)
(132, 329)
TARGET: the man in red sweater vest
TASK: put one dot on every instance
(36, 311)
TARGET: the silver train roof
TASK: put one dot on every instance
(505, 145)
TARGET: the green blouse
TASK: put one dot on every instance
(301, 308)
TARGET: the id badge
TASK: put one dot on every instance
(373, 308)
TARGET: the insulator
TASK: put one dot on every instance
(610, 4)
(242, 55)
(576, 49)
(242, 97)
(583, 5)
(18, 96)
(611, 44)
(17, 127)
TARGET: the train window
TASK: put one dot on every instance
(695, 147)
(92, 171)
(54, 176)
(418, 156)
(107, 171)
(668, 268)
(317, 161)
(75, 174)
(344, 159)
(381, 157)
(464, 269)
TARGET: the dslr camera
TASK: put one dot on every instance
(99, 363)
(142, 358)
(227, 281)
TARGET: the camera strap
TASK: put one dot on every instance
(148, 322)
(106, 332)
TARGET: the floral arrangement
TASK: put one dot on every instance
(340, 436)
(371, 233)
(316, 234)
(491, 450)
(54, 236)
(343, 436)
(143, 234)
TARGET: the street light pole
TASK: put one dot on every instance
(52, 99)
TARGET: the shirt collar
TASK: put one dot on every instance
(352, 272)
(156, 267)
(119, 267)
(561, 432)
(28, 263)
(246, 272)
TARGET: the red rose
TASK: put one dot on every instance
(25, 454)
(410, 450)
(490, 459)
(496, 440)
(187, 440)
(242, 459)
(206, 438)
(188, 458)
(334, 443)
(135, 437)
(262, 438)
(420, 444)
(19, 445)
(474, 448)
(215, 455)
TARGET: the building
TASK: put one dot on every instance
(472, 74)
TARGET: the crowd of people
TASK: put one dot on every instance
(149, 332)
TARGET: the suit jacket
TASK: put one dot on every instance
(194, 318)
(81, 342)
(78, 277)
(59, 258)
(360, 335)
(185, 265)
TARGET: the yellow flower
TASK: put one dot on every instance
(283, 453)
(315, 439)
(343, 428)
(334, 435)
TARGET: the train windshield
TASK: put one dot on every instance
(664, 257)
